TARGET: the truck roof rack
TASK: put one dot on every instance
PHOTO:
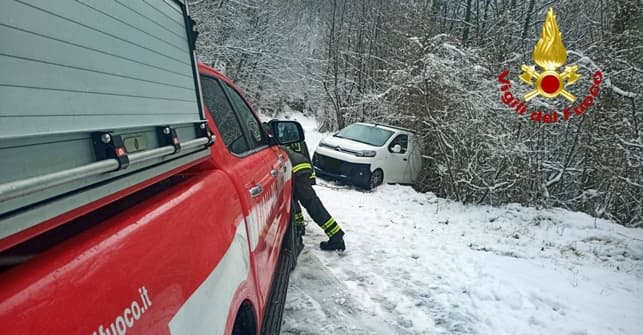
(395, 127)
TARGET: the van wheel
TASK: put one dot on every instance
(376, 179)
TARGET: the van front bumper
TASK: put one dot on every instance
(347, 172)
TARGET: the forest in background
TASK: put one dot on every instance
(433, 66)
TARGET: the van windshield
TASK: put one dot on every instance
(365, 134)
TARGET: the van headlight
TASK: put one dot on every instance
(365, 153)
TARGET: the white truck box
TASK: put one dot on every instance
(79, 82)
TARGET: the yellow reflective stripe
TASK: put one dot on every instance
(299, 215)
(313, 175)
(328, 224)
(301, 166)
(334, 231)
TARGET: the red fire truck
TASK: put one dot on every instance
(139, 193)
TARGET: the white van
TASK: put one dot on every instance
(367, 154)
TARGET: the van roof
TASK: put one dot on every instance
(389, 127)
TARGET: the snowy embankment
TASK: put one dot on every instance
(417, 264)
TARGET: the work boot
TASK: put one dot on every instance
(336, 242)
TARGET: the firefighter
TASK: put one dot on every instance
(302, 148)
(304, 193)
(303, 179)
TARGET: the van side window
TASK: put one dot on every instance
(223, 115)
(402, 140)
(256, 135)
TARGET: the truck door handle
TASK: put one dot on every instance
(274, 172)
(256, 191)
(405, 159)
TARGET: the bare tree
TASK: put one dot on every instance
(432, 65)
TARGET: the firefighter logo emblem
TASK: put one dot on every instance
(550, 54)
(546, 80)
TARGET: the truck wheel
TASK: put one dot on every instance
(376, 179)
(271, 324)
(245, 322)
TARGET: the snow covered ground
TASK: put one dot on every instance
(417, 264)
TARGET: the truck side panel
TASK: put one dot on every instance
(135, 271)
(95, 97)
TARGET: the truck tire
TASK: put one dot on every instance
(245, 323)
(290, 249)
(277, 300)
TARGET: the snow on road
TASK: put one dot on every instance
(417, 264)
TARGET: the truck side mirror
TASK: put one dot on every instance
(286, 132)
(396, 149)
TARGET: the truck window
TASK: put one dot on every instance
(223, 115)
(402, 140)
(249, 121)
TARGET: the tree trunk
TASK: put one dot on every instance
(467, 23)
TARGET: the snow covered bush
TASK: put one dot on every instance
(432, 66)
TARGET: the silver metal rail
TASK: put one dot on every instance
(18, 188)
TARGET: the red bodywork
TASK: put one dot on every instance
(177, 257)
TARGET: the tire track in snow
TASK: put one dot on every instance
(376, 269)
(319, 303)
